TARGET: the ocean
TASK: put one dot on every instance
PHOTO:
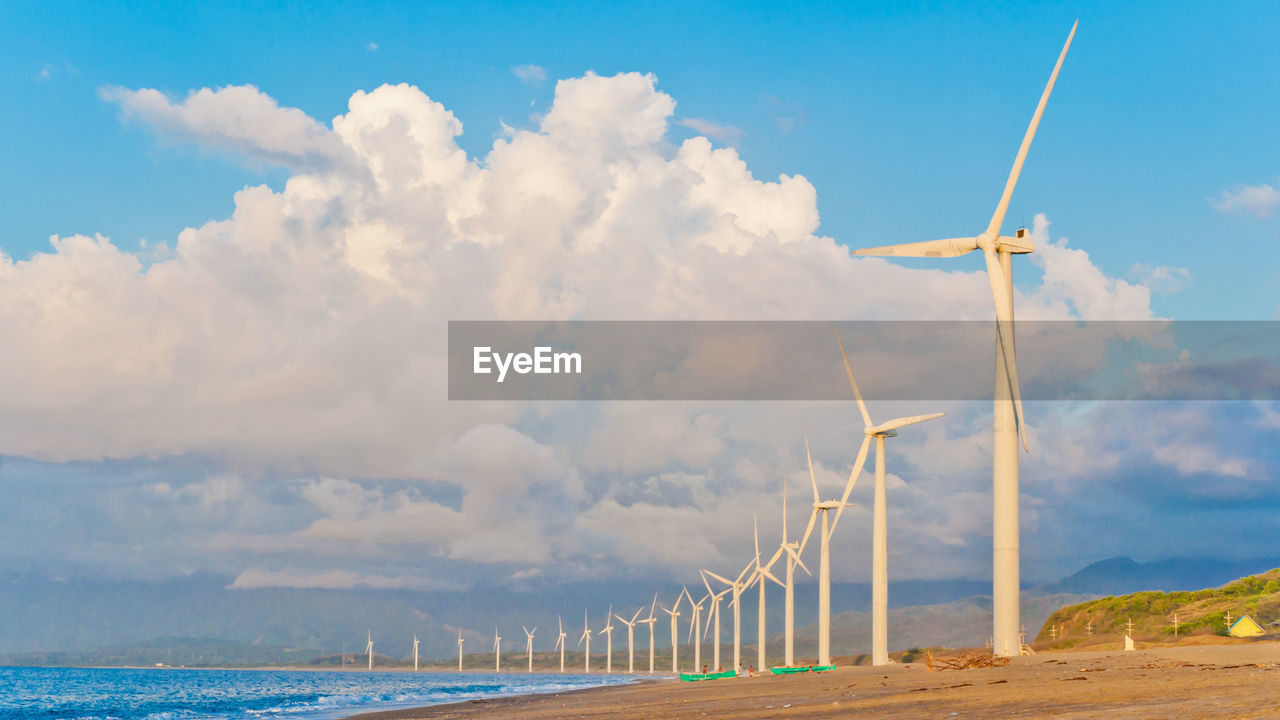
(173, 694)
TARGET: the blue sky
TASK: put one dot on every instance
(266, 395)
(905, 117)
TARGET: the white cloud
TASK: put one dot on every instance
(1257, 200)
(372, 46)
(530, 74)
(1162, 279)
(304, 335)
(254, 578)
(727, 134)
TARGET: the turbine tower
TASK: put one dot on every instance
(824, 508)
(879, 533)
(650, 621)
(1008, 425)
(497, 650)
(607, 631)
(674, 612)
(631, 638)
(560, 642)
(459, 650)
(694, 627)
(792, 550)
(528, 643)
(415, 652)
(368, 648)
(586, 637)
(713, 619)
(758, 575)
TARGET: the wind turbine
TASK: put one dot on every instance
(368, 648)
(1008, 424)
(631, 638)
(674, 612)
(792, 550)
(560, 642)
(694, 628)
(528, 643)
(607, 631)
(824, 508)
(415, 652)
(650, 622)
(758, 575)
(880, 535)
(713, 618)
(497, 650)
(586, 636)
(459, 650)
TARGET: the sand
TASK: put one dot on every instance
(1227, 681)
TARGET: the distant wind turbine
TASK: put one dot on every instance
(586, 637)
(415, 652)
(674, 612)
(713, 619)
(694, 630)
(737, 586)
(759, 575)
(792, 550)
(607, 631)
(880, 535)
(1008, 423)
(459, 650)
(631, 638)
(560, 641)
(368, 648)
(528, 643)
(650, 621)
(497, 650)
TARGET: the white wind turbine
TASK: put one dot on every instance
(713, 619)
(631, 638)
(1008, 423)
(736, 586)
(879, 533)
(497, 650)
(694, 628)
(560, 641)
(823, 508)
(650, 621)
(758, 575)
(528, 643)
(368, 648)
(459, 650)
(586, 637)
(792, 550)
(415, 652)
(674, 612)
(607, 631)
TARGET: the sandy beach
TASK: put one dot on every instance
(1211, 681)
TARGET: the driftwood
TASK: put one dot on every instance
(964, 662)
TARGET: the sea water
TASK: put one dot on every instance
(173, 694)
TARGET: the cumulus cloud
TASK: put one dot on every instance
(1162, 279)
(727, 134)
(1257, 200)
(331, 579)
(304, 337)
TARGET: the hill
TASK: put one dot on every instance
(1121, 575)
(1199, 612)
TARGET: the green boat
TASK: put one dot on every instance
(694, 677)
(800, 669)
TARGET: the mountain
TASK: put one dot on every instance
(1120, 575)
(1199, 612)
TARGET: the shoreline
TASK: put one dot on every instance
(1203, 681)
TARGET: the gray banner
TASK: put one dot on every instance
(754, 361)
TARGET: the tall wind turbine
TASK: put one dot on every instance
(415, 652)
(674, 612)
(879, 533)
(736, 586)
(560, 642)
(607, 631)
(824, 508)
(650, 621)
(694, 631)
(759, 575)
(459, 650)
(1008, 424)
(528, 643)
(368, 648)
(497, 650)
(586, 637)
(792, 550)
(631, 638)
(713, 619)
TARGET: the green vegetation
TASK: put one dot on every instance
(1199, 612)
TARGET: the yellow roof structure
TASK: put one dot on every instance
(1244, 627)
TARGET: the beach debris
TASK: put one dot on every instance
(964, 662)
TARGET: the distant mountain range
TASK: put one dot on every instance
(199, 620)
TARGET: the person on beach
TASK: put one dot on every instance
(704, 669)
(751, 671)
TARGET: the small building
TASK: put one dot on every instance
(1244, 627)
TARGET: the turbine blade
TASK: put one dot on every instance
(808, 457)
(764, 573)
(784, 509)
(947, 247)
(799, 562)
(1004, 330)
(703, 574)
(848, 369)
(755, 524)
(903, 422)
(813, 518)
(853, 478)
(997, 218)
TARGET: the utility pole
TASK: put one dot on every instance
(1130, 626)
(1228, 619)
(1175, 626)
